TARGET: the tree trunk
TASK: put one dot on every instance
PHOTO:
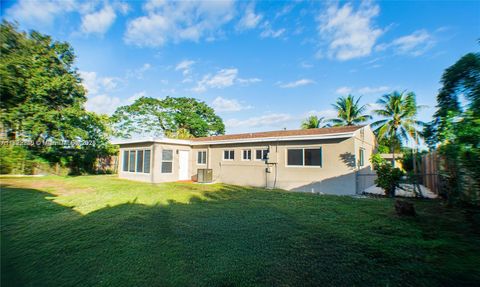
(392, 147)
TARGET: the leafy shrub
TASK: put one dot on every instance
(388, 177)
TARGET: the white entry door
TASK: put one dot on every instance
(183, 165)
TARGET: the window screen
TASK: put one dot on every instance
(295, 157)
(202, 157)
(261, 154)
(247, 154)
(132, 161)
(146, 162)
(229, 154)
(361, 161)
(167, 161)
(167, 154)
(258, 154)
(125, 160)
(313, 157)
(167, 167)
(140, 161)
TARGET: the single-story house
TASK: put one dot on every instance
(325, 160)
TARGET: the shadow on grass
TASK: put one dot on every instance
(238, 237)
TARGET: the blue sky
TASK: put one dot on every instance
(261, 65)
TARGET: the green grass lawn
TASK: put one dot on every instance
(103, 231)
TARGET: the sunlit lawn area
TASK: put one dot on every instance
(103, 231)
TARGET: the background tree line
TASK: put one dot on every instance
(42, 100)
(454, 131)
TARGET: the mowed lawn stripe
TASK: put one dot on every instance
(104, 231)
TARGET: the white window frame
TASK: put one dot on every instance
(134, 161)
(126, 158)
(172, 161)
(198, 153)
(303, 157)
(243, 154)
(150, 160)
(262, 150)
(229, 150)
(136, 150)
(361, 157)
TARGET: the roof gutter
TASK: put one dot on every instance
(270, 139)
(235, 141)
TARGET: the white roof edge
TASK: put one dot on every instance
(273, 139)
(233, 141)
(155, 140)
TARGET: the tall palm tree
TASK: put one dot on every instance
(399, 123)
(349, 112)
(312, 122)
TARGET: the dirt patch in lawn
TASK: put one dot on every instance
(51, 186)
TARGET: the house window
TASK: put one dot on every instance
(139, 160)
(202, 157)
(313, 157)
(361, 157)
(228, 155)
(125, 160)
(261, 154)
(247, 154)
(304, 157)
(167, 161)
(146, 161)
(295, 157)
(132, 161)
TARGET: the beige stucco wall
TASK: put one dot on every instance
(365, 140)
(145, 177)
(155, 174)
(337, 175)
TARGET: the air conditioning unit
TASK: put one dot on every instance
(204, 175)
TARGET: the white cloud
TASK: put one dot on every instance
(39, 12)
(222, 79)
(248, 81)
(363, 90)
(414, 44)
(269, 32)
(274, 121)
(178, 21)
(373, 90)
(306, 65)
(138, 73)
(249, 20)
(298, 83)
(269, 120)
(102, 104)
(95, 84)
(344, 91)
(98, 22)
(185, 66)
(226, 105)
(350, 32)
(105, 104)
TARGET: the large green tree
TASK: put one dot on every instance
(399, 123)
(170, 116)
(349, 112)
(41, 92)
(42, 98)
(455, 129)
